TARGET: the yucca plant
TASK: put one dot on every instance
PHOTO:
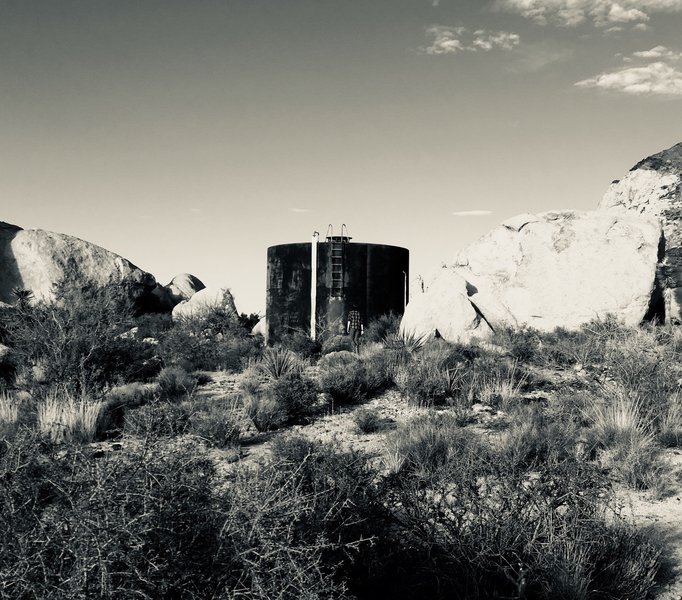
(277, 362)
(405, 340)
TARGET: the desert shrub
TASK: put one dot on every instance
(337, 343)
(367, 420)
(424, 384)
(301, 343)
(131, 524)
(501, 384)
(336, 359)
(217, 422)
(189, 345)
(296, 395)
(522, 343)
(380, 368)
(623, 433)
(157, 420)
(264, 410)
(301, 523)
(428, 444)
(9, 408)
(176, 382)
(9, 415)
(63, 418)
(382, 327)
(118, 401)
(153, 325)
(471, 528)
(407, 341)
(79, 340)
(637, 462)
(563, 348)
(617, 418)
(346, 384)
(535, 438)
(668, 423)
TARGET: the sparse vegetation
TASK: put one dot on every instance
(521, 505)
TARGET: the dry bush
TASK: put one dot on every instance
(264, 410)
(623, 432)
(367, 420)
(218, 423)
(346, 384)
(157, 420)
(472, 527)
(175, 383)
(428, 444)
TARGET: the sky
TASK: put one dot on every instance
(188, 136)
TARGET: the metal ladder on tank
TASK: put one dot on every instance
(337, 257)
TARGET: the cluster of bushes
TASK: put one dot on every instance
(450, 519)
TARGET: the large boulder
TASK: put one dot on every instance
(443, 308)
(555, 269)
(653, 187)
(38, 260)
(183, 287)
(204, 302)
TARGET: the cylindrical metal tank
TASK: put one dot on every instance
(374, 277)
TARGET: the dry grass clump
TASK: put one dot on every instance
(501, 386)
(9, 409)
(63, 418)
(624, 434)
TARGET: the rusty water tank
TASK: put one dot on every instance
(312, 286)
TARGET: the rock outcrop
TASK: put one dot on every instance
(183, 287)
(444, 307)
(553, 269)
(205, 301)
(653, 187)
(38, 260)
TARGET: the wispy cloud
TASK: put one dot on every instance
(657, 78)
(299, 210)
(472, 213)
(657, 53)
(650, 72)
(602, 13)
(451, 40)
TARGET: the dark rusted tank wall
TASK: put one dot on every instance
(375, 278)
(288, 289)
